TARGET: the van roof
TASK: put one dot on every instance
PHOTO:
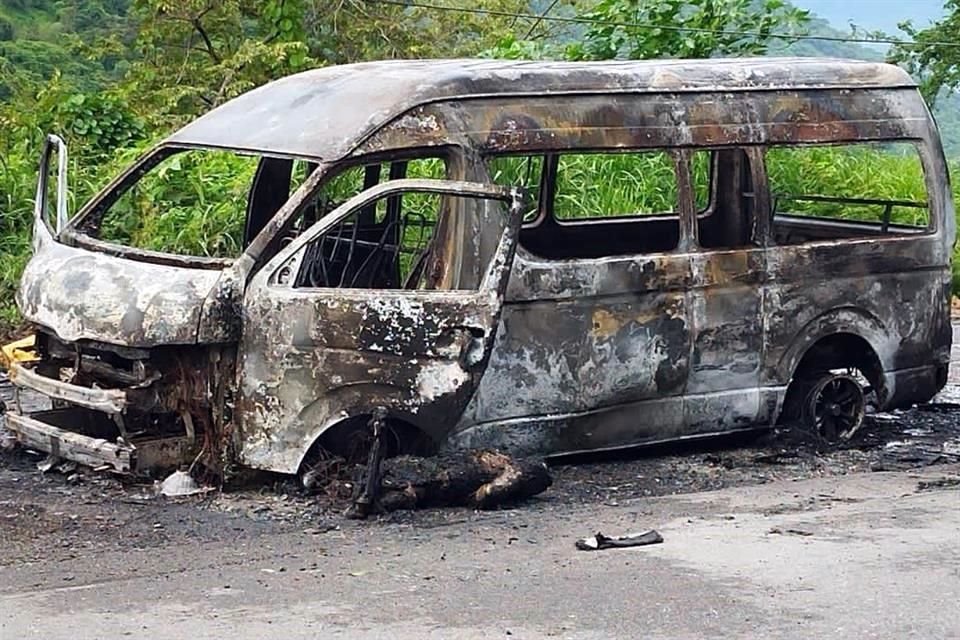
(325, 113)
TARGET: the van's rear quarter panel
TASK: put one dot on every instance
(894, 293)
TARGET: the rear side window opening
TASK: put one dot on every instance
(833, 191)
(591, 186)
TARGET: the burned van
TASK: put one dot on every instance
(539, 257)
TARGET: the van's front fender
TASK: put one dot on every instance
(282, 418)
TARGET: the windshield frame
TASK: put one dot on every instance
(74, 234)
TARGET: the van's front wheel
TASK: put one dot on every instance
(834, 405)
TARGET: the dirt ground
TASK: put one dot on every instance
(771, 533)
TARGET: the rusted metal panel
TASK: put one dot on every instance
(581, 334)
(727, 312)
(82, 294)
(317, 357)
(315, 114)
(504, 124)
(887, 290)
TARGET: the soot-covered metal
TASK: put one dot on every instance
(543, 337)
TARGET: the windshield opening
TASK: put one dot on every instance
(193, 202)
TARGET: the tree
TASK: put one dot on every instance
(354, 30)
(644, 29)
(933, 56)
(195, 54)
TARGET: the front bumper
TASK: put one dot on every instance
(33, 433)
(111, 401)
(87, 424)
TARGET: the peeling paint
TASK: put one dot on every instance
(510, 346)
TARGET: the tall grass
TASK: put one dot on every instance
(18, 173)
(890, 172)
(607, 185)
(195, 203)
(192, 203)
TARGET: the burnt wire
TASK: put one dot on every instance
(324, 257)
(378, 252)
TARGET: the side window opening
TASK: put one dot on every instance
(592, 186)
(702, 167)
(822, 192)
(386, 244)
(592, 205)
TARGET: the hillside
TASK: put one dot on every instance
(828, 48)
(39, 37)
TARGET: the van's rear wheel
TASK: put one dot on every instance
(833, 406)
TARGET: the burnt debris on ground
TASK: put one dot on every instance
(476, 479)
(913, 438)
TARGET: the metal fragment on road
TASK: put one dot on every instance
(599, 542)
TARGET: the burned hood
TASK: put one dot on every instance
(81, 294)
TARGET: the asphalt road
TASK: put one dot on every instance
(816, 548)
(858, 556)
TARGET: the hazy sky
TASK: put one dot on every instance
(874, 14)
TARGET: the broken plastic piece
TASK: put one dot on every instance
(599, 541)
(180, 483)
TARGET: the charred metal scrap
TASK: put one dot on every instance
(507, 326)
(483, 479)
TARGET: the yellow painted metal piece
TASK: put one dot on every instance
(23, 351)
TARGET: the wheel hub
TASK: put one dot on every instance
(835, 407)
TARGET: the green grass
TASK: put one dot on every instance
(878, 172)
(196, 204)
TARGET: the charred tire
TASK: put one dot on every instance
(347, 444)
(832, 406)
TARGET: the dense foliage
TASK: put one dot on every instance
(114, 76)
(935, 55)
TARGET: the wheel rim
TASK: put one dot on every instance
(837, 407)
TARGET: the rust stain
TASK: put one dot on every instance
(697, 324)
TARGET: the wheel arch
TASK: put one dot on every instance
(338, 435)
(842, 337)
(852, 322)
